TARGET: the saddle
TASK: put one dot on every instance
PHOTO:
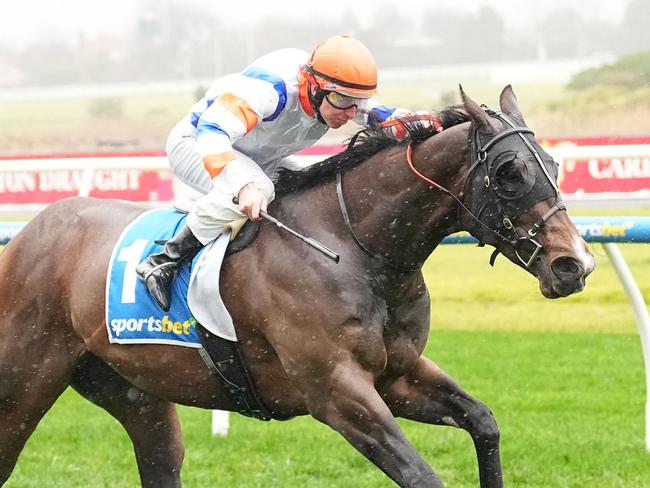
(244, 237)
(135, 321)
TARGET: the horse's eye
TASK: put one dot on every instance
(511, 175)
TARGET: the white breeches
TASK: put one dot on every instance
(213, 213)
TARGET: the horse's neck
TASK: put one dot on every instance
(396, 212)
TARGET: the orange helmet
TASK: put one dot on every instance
(343, 64)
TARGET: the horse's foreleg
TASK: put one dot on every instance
(347, 401)
(151, 423)
(427, 394)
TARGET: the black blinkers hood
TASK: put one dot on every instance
(508, 180)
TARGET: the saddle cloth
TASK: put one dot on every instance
(132, 315)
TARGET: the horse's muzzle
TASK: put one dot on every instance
(568, 276)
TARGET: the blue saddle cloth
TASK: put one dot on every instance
(132, 315)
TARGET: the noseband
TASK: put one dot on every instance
(481, 158)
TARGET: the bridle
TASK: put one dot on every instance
(481, 159)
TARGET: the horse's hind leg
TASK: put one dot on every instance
(427, 394)
(151, 423)
(32, 376)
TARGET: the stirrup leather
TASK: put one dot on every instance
(147, 275)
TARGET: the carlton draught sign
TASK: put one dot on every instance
(46, 179)
(605, 175)
(603, 165)
(49, 186)
(609, 167)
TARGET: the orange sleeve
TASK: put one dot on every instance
(215, 163)
(240, 109)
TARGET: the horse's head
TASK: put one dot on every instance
(512, 193)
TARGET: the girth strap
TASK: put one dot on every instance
(223, 358)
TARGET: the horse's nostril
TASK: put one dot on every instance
(566, 267)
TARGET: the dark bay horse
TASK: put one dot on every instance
(341, 342)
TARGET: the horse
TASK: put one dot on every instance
(340, 342)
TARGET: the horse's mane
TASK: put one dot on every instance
(364, 144)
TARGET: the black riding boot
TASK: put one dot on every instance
(159, 270)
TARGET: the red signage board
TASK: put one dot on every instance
(49, 186)
(605, 175)
(47, 178)
(144, 176)
(599, 175)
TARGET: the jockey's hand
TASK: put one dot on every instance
(251, 201)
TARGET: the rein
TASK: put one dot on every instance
(396, 124)
(346, 219)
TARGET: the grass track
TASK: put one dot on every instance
(564, 378)
(570, 407)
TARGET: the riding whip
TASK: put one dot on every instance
(307, 240)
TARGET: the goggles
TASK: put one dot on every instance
(345, 102)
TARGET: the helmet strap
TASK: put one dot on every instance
(315, 99)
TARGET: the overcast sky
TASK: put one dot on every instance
(23, 21)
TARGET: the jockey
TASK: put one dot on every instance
(249, 123)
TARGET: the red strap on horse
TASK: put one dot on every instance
(409, 160)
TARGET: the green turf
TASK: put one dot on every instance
(570, 407)
(468, 294)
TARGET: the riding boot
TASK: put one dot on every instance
(159, 270)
